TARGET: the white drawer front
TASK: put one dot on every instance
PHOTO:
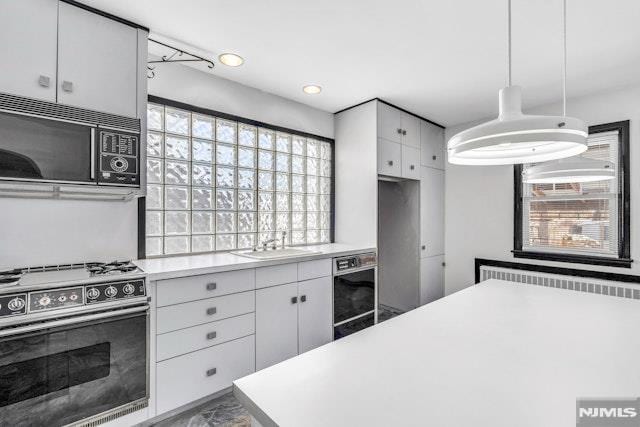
(312, 269)
(192, 376)
(276, 275)
(183, 289)
(181, 316)
(187, 340)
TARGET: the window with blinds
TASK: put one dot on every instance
(575, 218)
(215, 184)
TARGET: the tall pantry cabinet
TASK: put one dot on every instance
(377, 142)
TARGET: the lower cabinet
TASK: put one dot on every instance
(194, 375)
(292, 319)
(431, 279)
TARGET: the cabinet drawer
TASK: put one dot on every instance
(312, 269)
(190, 339)
(181, 316)
(187, 378)
(389, 158)
(410, 162)
(183, 289)
(276, 275)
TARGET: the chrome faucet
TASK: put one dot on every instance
(266, 242)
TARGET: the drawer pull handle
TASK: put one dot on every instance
(412, 167)
(404, 131)
(211, 372)
(390, 162)
(211, 335)
(294, 300)
(212, 286)
(399, 131)
(211, 311)
(433, 157)
(303, 298)
(67, 86)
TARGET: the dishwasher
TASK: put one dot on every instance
(355, 293)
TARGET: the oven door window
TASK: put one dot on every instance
(44, 150)
(354, 294)
(58, 376)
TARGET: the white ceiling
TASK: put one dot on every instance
(442, 59)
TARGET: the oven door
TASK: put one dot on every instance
(71, 369)
(353, 294)
(46, 150)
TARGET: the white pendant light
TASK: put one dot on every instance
(515, 137)
(574, 169)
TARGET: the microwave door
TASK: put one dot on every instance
(38, 149)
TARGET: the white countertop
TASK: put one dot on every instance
(495, 354)
(187, 265)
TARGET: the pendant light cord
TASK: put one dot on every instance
(508, 42)
(564, 57)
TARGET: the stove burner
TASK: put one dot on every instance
(99, 268)
(10, 277)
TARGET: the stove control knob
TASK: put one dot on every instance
(62, 298)
(44, 301)
(128, 289)
(73, 297)
(16, 304)
(110, 292)
(93, 293)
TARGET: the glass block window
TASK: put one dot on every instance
(215, 184)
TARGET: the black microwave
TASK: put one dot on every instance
(62, 148)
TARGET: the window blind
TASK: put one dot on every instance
(578, 218)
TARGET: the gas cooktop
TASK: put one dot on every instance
(60, 275)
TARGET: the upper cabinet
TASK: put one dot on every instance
(432, 150)
(57, 52)
(28, 31)
(97, 62)
(397, 126)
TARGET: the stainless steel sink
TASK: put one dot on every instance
(276, 253)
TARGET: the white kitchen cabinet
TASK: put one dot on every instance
(97, 62)
(431, 212)
(389, 123)
(389, 158)
(432, 145)
(28, 30)
(410, 130)
(315, 313)
(276, 324)
(184, 379)
(292, 319)
(431, 279)
(410, 162)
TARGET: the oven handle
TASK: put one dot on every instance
(71, 321)
(355, 270)
(93, 153)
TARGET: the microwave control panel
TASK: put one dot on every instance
(118, 162)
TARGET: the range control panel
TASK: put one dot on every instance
(61, 298)
(114, 291)
(12, 305)
(355, 261)
(55, 299)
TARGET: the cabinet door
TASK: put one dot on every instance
(389, 158)
(431, 279)
(410, 130)
(389, 123)
(97, 62)
(276, 324)
(432, 145)
(28, 31)
(410, 162)
(431, 211)
(315, 313)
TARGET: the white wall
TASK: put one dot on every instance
(188, 85)
(479, 199)
(39, 232)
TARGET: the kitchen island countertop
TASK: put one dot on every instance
(495, 354)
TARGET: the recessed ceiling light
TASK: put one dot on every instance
(231, 59)
(312, 89)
